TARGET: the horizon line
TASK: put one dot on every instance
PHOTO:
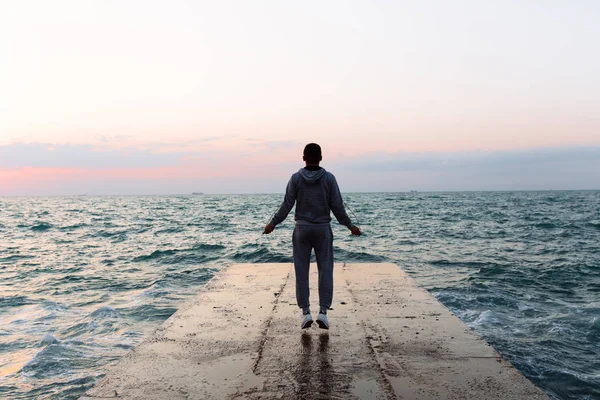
(281, 192)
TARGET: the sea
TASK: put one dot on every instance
(84, 279)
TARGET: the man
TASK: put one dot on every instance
(316, 193)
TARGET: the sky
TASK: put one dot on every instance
(155, 97)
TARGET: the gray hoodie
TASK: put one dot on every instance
(316, 194)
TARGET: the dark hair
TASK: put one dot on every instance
(312, 153)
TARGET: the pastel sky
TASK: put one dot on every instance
(157, 97)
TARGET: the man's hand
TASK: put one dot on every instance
(355, 231)
(268, 229)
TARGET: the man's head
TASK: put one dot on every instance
(312, 154)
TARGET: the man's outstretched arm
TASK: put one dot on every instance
(286, 206)
(337, 206)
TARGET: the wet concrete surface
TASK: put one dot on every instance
(240, 338)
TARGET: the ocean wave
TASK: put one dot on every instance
(594, 224)
(155, 255)
(552, 199)
(15, 301)
(148, 312)
(142, 229)
(93, 325)
(72, 227)
(459, 264)
(39, 227)
(177, 258)
(59, 388)
(169, 231)
(53, 306)
(56, 361)
(49, 339)
(119, 238)
(593, 287)
(343, 255)
(198, 253)
(20, 343)
(406, 242)
(15, 257)
(206, 246)
(185, 277)
(104, 312)
(569, 384)
(487, 317)
(131, 285)
(259, 255)
(110, 234)
(490, 270)
(545, 225)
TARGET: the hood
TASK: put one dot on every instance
(311, 176)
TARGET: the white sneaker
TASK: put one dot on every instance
(307, 321)
(322, 321)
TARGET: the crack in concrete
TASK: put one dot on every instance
(387, 385)
(265, 332)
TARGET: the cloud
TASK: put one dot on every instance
(73, 169)
(113, 138)
(405, 161)
(274, 145)
(19, 155)
(549, 168)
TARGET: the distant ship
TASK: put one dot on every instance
(197, 193)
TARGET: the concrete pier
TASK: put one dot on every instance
(240, 339)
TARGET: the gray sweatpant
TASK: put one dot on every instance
(305, 238)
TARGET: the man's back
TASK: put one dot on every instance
(315, 193)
